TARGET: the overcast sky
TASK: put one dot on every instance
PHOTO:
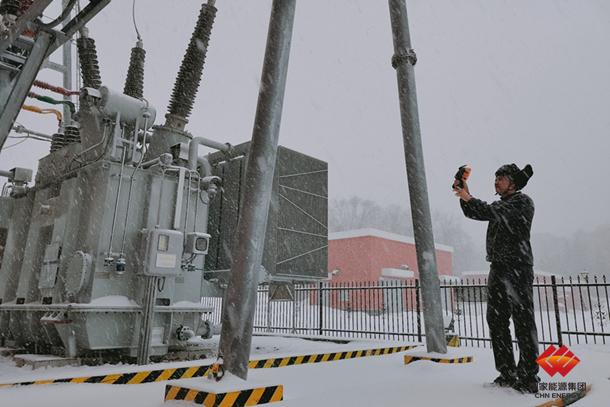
(498, 82)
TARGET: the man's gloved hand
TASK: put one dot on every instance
(463, 193)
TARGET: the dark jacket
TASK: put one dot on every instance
(508, 232)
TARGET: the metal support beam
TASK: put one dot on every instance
(79, 20)
(240, 297)
(21, 84)
(148, 315)
(403, 61)
(46, 42)
(14, 37)
(57, 68)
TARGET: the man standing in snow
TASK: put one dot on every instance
(511, 275)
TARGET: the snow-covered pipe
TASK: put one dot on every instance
(194, 149)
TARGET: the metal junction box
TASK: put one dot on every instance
(197, 243)
(163, 256)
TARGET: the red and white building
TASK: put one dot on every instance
(375, 255)
(367, 257)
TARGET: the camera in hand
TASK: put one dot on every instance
(462, 175)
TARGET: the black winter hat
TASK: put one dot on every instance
(519, 177)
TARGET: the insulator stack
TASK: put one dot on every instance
(10, 7)
(134, 83)
(58, 140)
(70, 135)
(87, 56)
(189, 76)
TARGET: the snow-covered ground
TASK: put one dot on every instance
(370, 381)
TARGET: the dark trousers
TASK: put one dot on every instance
(510, 294)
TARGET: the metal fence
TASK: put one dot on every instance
(568, 310)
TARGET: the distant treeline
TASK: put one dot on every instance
(583, 251)
(359, 213)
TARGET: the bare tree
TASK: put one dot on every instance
(583, 251)
(358, 213)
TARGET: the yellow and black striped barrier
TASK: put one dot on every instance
(324, 357)
(148, 376)
(161, 375)
(249, 397)
(413, 358)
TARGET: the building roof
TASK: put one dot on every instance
(348, 234)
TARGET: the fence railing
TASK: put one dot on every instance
(567, 310)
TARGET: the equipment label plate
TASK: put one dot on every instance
(166, 260)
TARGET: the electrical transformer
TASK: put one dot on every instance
(127, 227)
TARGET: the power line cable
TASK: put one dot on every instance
(133, 16)
(16, 144)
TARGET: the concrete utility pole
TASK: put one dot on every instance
(240, 298)
(403, 61)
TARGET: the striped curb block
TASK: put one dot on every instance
(148, 376)
(161, 375)
(324, 357)
(412, 358)
(240, 398)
